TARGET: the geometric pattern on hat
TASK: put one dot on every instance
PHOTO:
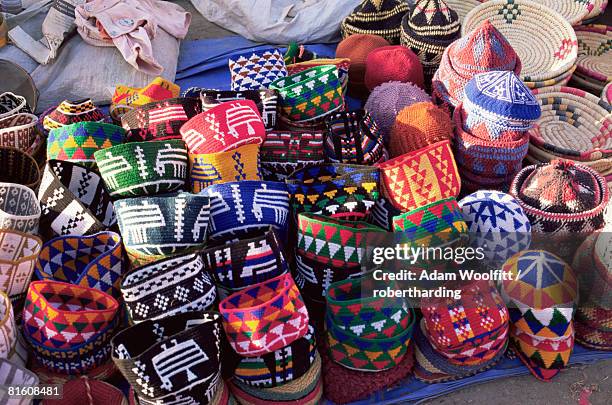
(314, 278)
(543, 358)
(18, 255)
(481, 350)
(8, 329)
(78, 142)
(142, 168)
(550, 323)
(293, 146)
(265, 100)
(421, 177)
(67, 113)
(342, 64)
(264, 317)
(168, 287)
(540, 280)
(93, 261)
(127, 98)
(593, 338)
(19, 131)
(376, 17)
(224, 127)
(19, 208)
(257, 71)
(11, 104)
(59, 315)
(73, 201)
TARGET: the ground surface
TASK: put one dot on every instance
(525, 390)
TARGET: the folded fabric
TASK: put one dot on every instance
(256, 71)
(12, 374)
(376, 17)
(421, 177)
(171, 359)
(280, 367)
(18, 255)
(71, 112)
(8, 329)
(310, 94)
(143, 168)
(168, 287)
(314, 277)
(11, 104)
(264, 317)
(224, 127)
(19, 208)
(127, 98)
(237, 164)
(18, 167)
(336, 190)
(156, 227)
(284, 152)
(265, 100)
(240, 209)
(19, 131)
(94, 261)
(73, 201)
(242, 263)
(159, 120)
(353, 137)
(78, 142)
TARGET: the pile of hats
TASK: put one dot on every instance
(459, 338)
(541, 295)
(482, 50)
(549, 61)
(127, 98)
(594, 312)
(491, 129)
(574, 125)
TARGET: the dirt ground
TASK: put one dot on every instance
(565, 388)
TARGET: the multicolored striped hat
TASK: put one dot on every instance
(376, 17)
(127, 98)
(69, 112)
(284, 152)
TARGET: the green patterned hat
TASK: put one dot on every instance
(78, 142)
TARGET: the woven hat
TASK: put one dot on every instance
(342, 64)
(375, 17)
(498, 106)
(257, 71)
(11, 104)
(387, 100)
(127, 98)
(19, 131)
(284, 152)
(561, 197)
(68, 112)
(17, 264)
(314, 277)
(18, 167)
(73, 201)
(393, 63)
(356, 48)
(19, 208)
(418, 126)
(428, 28)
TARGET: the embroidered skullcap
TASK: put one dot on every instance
(393, 63)
(127, 98)
(342, 64)
(68, 112)
(417, 126)
(168, 287)
(428, 28)
(224, 127)
(18, 167)
(257, 71)
(19, 208)
(353, 137)
(159, 120)
(11, 104)
(500, 224)
(387, 100)
(169, 359)
(500, 102)
(356, 48)
(284, 152)
(94, 261)
(73, 201)
(18, 254)
(375, 17)
(561, 196)
(156, 227)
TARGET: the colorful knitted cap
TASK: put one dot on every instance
(387, 100)
(561, 196)
(393, 63)
(68, 112)
(417, 126)
(78, 142)
(428, 28)
(500, 101)
(127, 98)
(342, 64)
(266, 101)
(483, 50)
(376, 17)
(257, 71)
(356, 48)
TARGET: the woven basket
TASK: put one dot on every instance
(606, 94)
(599, 6)
(560, 80)
(521, 21)
(595, 52)
(537, 155)
(574, 11)
(573, 124)
(462, 7)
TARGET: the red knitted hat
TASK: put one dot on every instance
(393, 63)
(356, 48)
(418, 126)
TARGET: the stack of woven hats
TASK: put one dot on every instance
(491, 129)
(376, 17)
(594, 314)
(482, 50)
(126, 98)
(541, 295)
(446, 352)
(428, 28)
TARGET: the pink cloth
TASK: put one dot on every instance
(130, 25)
